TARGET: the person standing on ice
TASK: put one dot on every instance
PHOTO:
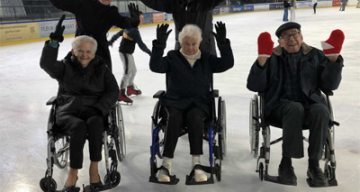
(293, 6)
(198, 12)
(314, 4)
(291, 76)
(286, 6)
(127, 46)
(95, 18)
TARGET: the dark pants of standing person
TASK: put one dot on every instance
(79, 130)
(314, 7)
(193, 118)
(286, 14)
(294, 118)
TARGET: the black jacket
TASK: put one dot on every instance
(317, 74)
(94, 19)
(188, 85)
(199, 12)
(93, 86)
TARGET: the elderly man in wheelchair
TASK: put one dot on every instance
(87, 92)
(188, 99)
(290, 79)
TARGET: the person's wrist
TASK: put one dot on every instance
(54, 43)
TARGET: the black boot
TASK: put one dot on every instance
(286, 172)
(316, 177)
(287, 175)
(70, 189)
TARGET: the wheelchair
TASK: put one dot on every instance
(257, 123)
(59, 144)
(214, 134)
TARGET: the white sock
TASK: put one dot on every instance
(199, 175)
(162, 175)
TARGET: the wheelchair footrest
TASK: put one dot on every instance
(89, 188)
(190, 178)
(173, 180)
(275, 179)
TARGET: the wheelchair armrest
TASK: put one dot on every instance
(215, 93)
(159, 94)
(51, 101)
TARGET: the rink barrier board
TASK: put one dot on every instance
(18, 33)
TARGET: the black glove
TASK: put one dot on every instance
(57, 35)
(87, 112)
(134, 10)
(220, 34)
(162, 33)
(134, 14)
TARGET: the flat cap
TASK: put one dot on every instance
(286, 26)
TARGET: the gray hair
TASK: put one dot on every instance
(190, 30)
(84, 39)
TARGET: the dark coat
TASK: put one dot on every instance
(93, 86)
(94, 19)
(199, 12)
(286, 4)
(188, 85)
(317, 73)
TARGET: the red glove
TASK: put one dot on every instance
(265, 44)
(333, 45)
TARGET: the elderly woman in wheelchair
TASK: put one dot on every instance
(87, 91)
(187, 100)
(290, 79)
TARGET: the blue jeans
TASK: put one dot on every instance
(286, 13)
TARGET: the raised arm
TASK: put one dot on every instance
(158, 63)
(67, 5)
(119, 20)
(257, 78)
(226, 61)
(49, 54)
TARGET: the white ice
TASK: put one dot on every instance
(25, 88)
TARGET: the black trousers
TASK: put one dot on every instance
(294, 118)
(194, 119)
(79, 129)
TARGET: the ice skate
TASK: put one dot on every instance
(132, 91)
(124, 98)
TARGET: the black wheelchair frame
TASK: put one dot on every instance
(215, 128)
(258, 123)
(58, 147)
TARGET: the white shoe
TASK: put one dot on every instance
(163, 176)
(200, 175)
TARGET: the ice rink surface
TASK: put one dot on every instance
(25, 88)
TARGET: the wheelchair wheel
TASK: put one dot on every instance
(62, 147)
(157, 131)
(120, 143)
(113, 178)
(261, 171)
(330, 175)
(253, 127)
(48, 184)
(222, 124)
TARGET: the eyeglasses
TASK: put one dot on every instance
(290, 34)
